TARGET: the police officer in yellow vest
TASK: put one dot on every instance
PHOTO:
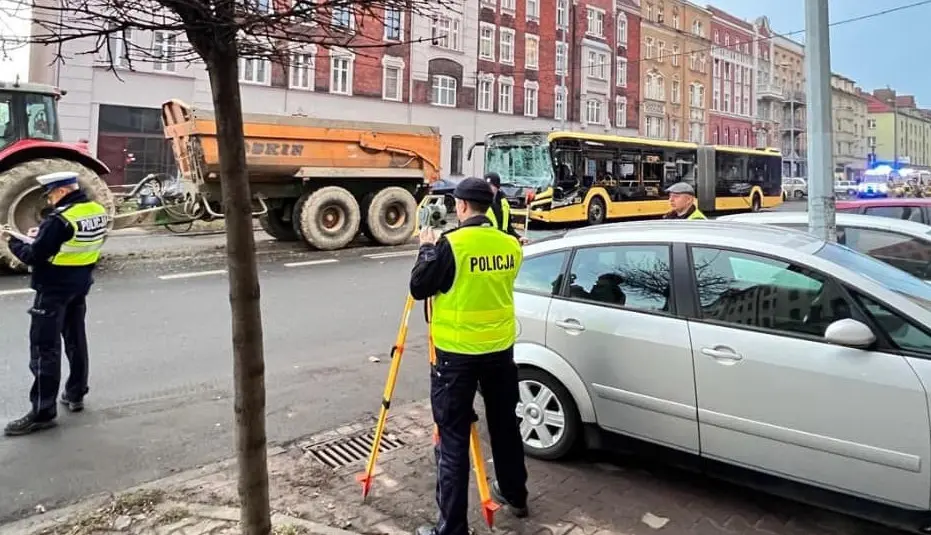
(469, 274)
(500, 211)
(682, 202)
(65, 250)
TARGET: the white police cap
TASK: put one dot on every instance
(681, 187)
(57, 180)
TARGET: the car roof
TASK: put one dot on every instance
(908, 201)
(858, 220)
(706, 232)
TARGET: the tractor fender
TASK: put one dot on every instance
(32, 149)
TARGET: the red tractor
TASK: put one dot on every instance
(31, 145)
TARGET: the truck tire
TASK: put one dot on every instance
(391, 216)
(275, 225)
(365, 204)
(21, 202)
(329, 217)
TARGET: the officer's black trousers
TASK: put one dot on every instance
(453, 384)
(57, 316)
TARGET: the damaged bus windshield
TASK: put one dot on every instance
(522, 160)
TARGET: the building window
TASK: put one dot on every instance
(649, 51)
(655, 86)
(562, 14)
(698, 29)
(254, 71)
(675, 55)
(392, 80)
(717, 37)
(716, 102)
(341, 74)
(531, 98)
(660, 51)
(394, 25)
(531, 51)
(697, 96)
(446, 32)
(655, 127)
(302, 71)
(455, 155)
(506, 48)
(486, 43)
(727, 40)
(702, 63)
(444, 91)
(533, 9)
(505, 95)
(693, 61)
(593, 111)
(620, 112)
(621, 71)
(727, 135)
(164, 51)
(675, 18)
(509, 5)
(562, 59)
(622, 29)
(697, 133)
(559, 108)
(674, 129)
(343, 18)
(598, 65)
(486, 93)
(119, 46)
(596, 22)
(676, 92)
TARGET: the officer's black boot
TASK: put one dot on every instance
(28, 424)
(72, 405)
(520, 511)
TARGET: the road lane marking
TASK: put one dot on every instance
(311, 263)
(22, 291)
(394, 254)
(192, 275)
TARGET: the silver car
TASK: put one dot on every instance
(794, 188)
(903, 244)
(750, 345)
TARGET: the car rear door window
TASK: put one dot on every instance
(541, 274)
(907, 253)
(746, 289)
(632, 276)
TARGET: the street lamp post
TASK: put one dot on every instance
(821, 216)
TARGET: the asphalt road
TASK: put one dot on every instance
(161, 370)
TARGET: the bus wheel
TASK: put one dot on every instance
(757, 204)
(596, 211)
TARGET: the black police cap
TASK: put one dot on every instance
(494, 179)
(475, 190)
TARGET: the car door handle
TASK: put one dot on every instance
(721, 353)
(570, 324)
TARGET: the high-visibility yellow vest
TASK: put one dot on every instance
(476, 315)
(89, 221)
(505, 215)
(696, 214)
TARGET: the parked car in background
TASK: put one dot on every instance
(900, 243)
(911, 209)
(445, 187)
(845, 188)
(794, 188)
(740, 346)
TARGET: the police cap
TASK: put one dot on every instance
(681, 188)
(475, 190)
(60, 179)
(493, 178)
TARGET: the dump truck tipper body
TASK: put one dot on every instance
(317, 180)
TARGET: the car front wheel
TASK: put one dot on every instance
(549, 420)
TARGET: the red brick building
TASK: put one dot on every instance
(733, 81)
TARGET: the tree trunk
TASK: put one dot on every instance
(248, 353)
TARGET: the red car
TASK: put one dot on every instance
(910, 209)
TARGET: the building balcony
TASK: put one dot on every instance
(769, 92)
(795, 97)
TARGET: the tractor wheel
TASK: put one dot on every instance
(328, 217)
(278, 223)
(22, 203)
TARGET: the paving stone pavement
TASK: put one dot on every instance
(589, 496)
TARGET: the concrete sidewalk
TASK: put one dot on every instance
(313, 490)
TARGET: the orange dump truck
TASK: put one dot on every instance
(317, 180)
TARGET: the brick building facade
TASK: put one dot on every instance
(733, 81)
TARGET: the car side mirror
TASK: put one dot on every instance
(850, 333)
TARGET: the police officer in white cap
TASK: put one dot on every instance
(682, 202)
(64, 251)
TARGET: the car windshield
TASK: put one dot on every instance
(522, 160)
(909, 286)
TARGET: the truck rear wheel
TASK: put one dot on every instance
(21, 200)
(329, 217)
(391, 216)
(278, 223)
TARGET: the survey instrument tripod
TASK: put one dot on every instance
(478, 462)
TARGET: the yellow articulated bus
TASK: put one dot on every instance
(573, 177)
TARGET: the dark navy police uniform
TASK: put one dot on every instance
(62, 257)
(468, 276)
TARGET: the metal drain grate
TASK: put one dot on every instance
(344, 451)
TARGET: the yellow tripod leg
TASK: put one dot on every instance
(366, 478)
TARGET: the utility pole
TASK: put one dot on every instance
(821, 220)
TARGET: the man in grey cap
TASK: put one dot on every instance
(682, 202)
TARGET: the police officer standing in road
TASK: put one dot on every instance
(65, 250)
(500, 211)
(682, 202)
(469, 274)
